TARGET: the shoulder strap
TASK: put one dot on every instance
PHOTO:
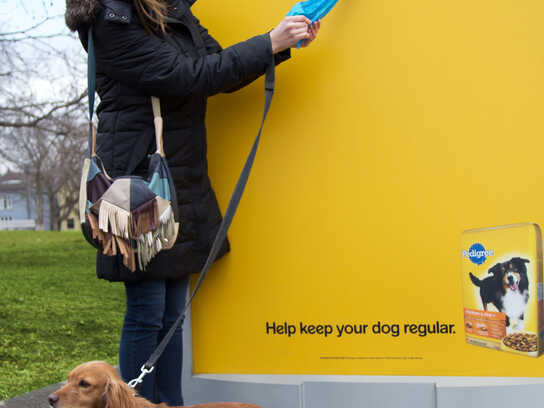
(91, 89)
(156, 103)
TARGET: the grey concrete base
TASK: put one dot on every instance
(489, 396)
(314, 391)
(339, 391)
(331, 394)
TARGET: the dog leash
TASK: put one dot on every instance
(149, 366)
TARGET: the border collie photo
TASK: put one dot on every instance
(506, 287)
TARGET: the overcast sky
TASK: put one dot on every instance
(19, 14)
(16, 15)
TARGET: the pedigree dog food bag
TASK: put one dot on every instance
(501, 277)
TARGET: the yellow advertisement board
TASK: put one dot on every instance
(404, 125)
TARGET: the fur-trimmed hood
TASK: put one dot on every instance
(80, 13)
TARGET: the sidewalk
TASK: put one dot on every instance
(32, 399)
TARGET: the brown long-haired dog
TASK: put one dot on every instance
(96, 384)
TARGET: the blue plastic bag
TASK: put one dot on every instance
(313, 9)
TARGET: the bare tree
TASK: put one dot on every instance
(29, 58)
(62, 176)
(50, 161)
(42, 114)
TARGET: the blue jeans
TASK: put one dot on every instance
(152, 308)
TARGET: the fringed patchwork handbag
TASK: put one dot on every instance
(136, 217)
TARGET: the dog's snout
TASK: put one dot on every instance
(510, 279)
(53, 399)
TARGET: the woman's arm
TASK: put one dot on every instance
(280, 55)
(127, 53)
(212, 46)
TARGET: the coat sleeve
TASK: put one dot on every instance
(130, 55)
(212, 46)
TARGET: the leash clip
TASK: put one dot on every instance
(144, 371)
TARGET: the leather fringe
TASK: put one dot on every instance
(114, 217)
(111, 230)
(144, 218)
(129, 257)
(149, 244)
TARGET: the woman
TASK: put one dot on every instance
(155, 47)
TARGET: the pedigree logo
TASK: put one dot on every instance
(477, 253)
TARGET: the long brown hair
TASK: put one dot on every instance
(152, 14)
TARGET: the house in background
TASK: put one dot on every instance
(18, 207)
(72, 221)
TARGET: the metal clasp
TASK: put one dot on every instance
(136, 381)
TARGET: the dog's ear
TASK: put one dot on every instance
(520, 263)
(496, 269)
(119, 395)
(520, 260)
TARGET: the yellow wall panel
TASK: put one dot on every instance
(405, 124)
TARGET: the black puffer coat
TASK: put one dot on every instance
(183, 68)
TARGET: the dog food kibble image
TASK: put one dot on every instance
(501, 275)
(522, 342)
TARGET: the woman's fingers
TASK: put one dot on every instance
(291, 30)
(297, 26)
(297, 32)
(312, 32)
(301, 19)
(313, 29)
(302, 31)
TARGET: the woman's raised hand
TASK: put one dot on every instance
(313, 30)
(291, 30)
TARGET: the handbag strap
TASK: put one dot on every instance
(91, 84)
(157, 118)
(91, 89)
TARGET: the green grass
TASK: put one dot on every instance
(54, 312)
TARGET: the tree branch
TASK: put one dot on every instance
(35, 122)
(28, 29)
